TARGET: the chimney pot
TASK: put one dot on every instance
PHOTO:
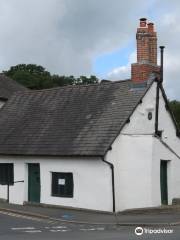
(151, 27)
(143, 22)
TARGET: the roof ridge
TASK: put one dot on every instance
(73, 86)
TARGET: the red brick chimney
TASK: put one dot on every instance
(146, 64)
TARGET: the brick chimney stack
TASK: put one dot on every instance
(146, 64)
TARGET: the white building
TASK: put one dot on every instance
(103, 146)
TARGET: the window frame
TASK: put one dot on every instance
(7, 173)
(56, 190)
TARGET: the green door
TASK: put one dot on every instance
(163, 178)
(33, 183)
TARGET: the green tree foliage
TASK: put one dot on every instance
(175, 107)
(36, 77)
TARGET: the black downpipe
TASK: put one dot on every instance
(159, 83)
(157, 110)
(8, 183)
(162, 64)
(113, 188)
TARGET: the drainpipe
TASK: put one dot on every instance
(8, 193)
(162, 64)
(157, 109)
(159, 83)
(113, 188)
(8, 183)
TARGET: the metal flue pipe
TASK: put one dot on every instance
(162, 63)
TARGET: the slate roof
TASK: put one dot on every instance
(67, 121)
(8, 87)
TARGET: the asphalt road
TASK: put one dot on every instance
(17, 227)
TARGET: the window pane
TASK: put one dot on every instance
(6, 173)
(62, 184)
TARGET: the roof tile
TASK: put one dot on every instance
(66, 121)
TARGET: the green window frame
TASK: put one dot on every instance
(62, 185)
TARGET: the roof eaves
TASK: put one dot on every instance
(55, 155)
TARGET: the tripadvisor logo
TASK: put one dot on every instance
(139, 231)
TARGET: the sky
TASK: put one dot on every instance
(88, 37)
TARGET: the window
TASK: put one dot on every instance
(6, 173)
(62, 184)
(150, 115)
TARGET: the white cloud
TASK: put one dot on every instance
(64, 35)
(169, 34)
(122, 72)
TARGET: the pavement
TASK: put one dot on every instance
(15, 227)
(165, 216)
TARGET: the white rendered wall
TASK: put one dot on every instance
(167, 126)
(139, 123)
(92, 182)
(160, 152)
(136, 155)
(132, 156)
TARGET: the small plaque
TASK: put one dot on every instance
(61, 181)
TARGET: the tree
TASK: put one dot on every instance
(36, 77)
(175, 107)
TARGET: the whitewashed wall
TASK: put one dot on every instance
(136, 155)
(139, 123)
(167, 126)
(131, 156)
(92, 182)
(161, 152)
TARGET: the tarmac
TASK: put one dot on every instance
(161, 216)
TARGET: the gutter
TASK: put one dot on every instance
(113, 187)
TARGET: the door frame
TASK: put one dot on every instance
(164, 185)
(28, 185)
